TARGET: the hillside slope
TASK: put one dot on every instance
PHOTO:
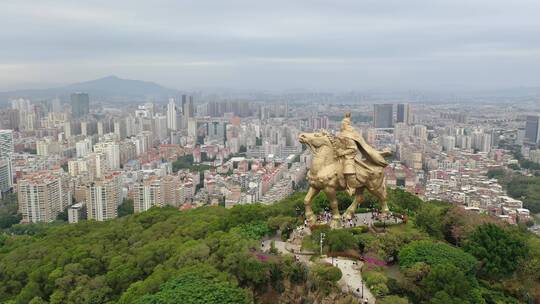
(212, 253)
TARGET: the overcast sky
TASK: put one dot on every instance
(275, 44)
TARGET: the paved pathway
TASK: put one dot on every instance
(351, 279)
(287, 249)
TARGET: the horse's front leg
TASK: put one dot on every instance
(310, 216)
(336, 218)
(358, 199)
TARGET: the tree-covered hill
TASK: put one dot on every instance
(158, 256)
(442, 254)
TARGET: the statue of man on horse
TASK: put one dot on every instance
(337, 166)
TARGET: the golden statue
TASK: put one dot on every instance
(336, 166)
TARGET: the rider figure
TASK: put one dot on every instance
(348, 143)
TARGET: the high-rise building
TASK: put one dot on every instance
(532, 129)
(534, 156)
(6, 143)
(75, 213)
(6, 175)
(26, 112)
(103, 197)
(420, 131)
(97, 165)
(80, 104)
(383, 115)
(157, 191)
(83, 147)
(9, 119)
(172, 115)
(160, 127)
(485, 145)
(43, 195)
(47, 146)
(404, 114)
(120, 128)
(171, 190)
(56, 105)
(78, 167)
(188, 108)
(111, 151)
(148, 194)
(464, 142)
(448, 143)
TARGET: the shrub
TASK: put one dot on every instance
(327, 272)
(363, 210)
(325, 276)
(393, 300)
(376, 282)
(254, 231)
(383, 224)
(358, 230)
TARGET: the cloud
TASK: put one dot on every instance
(273, 44)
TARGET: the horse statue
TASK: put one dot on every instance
(326, 174)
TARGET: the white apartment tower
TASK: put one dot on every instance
(83, 147)
(112, 153)
(103, 197)
(6, 175)
(43, 195)
(172, 123)
(6, 143)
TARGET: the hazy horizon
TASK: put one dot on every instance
(278, 45)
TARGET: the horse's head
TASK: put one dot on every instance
(316, 140)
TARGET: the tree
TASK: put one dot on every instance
(388, 245)
(126, 208)
(495, 173)
(435, 254)
(192, 288)
(182, 162)
(63, 216)
(325, 276)
(320, 202)
(499, 250)
(9, 211)
(37, 300)
(254, 231)
(401, 201)
(429, 218)
(526, 188)
(376, 282)
(340, 240)
(392, 299)
(457, 223)
(449, 284)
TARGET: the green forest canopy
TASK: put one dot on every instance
(152, 257)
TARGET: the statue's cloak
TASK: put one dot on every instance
(372, 155)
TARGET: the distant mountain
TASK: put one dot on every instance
(110, 88)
